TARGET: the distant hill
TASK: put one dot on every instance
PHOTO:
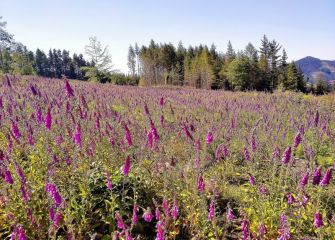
(314, 68)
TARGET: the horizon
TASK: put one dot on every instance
(301, 27)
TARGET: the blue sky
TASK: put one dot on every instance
(303, 27)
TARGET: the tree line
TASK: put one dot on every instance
(263, 69)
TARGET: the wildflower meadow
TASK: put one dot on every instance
(95, 161)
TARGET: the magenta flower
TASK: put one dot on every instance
(53, 193)
(326, 178)
(290, 199)
(318, 222)
(109, 184)
(209, 138)
(119, 220)
(262, 229)
(174, 210)
(252, 180)
(245, 229)
(286, 155)
(128, 136)
(51, 214)
(8, 177)
(58, 219)
(200, 184)
(230, 214)
(284, 228)
(297, 140)
(24, 194)
(304, 180)
(246, 154)
(147, 215)
(48, 120)
(134, 218)
(161, 102)
(126, 166)
(166, 207)
(160, 230)
(68, 88)
(211, 212)
(15, 131)
(19, 233)
(253, 144)
(77, 136)
(317, 176)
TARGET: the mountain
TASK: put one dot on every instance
(314, 68)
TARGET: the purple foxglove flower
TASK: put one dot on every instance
(290, 198)
(297, 140)
(209, 138)
(126, 166)
(230, 214)
(262, 230)
(252, 180)
(68, 88)
(304, 180)
(200, 184)
(317, 176)
(160, 230)
(115, 235)
(33, 90)
(20, 173)
(286, 155)
(128, 136)
(134, 218)
(166, 207)
(197, 145)
(8, 177)
(15, 131)
(119, 221)
(253, 144)
(51, 214)
(326, 178)
(48, 120)
(30, 139)
(161, 102)
(246, 154)
(147, 215)
(38, 116)
(146, 109)
(263, 189)
(109, 184)
(174, 210)
(245, 229)
(284, 228)
(20, 233)
(58, 219)
(318, 222)
(150, 138)
(211, 212)
(77, 136)
(275, 153)
(97, 122)
(24, 194)
(53, 193)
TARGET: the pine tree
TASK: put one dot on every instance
(132, 61)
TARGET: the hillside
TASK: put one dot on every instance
(314, 68)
